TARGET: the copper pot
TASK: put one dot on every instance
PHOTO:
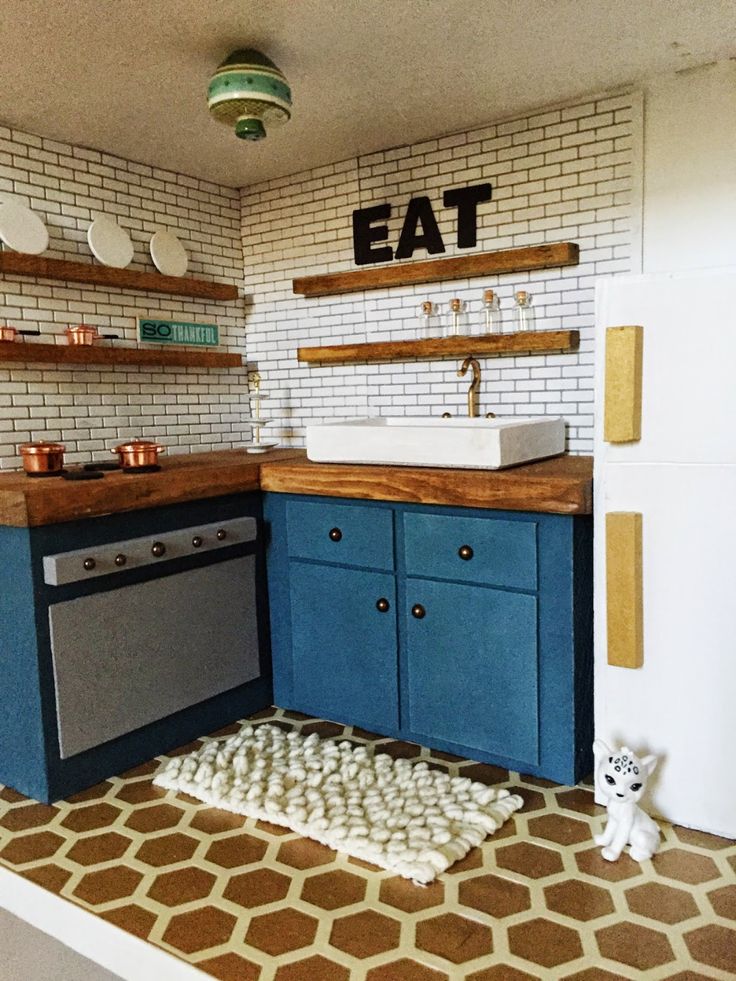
(8, 333)
(82, 334)
(42, 457)
(139, 453)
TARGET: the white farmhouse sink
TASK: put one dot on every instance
(422, 441)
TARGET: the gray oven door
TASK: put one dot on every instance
(130, 656)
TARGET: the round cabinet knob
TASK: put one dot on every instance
(89, 564)
(465, 552)
(221, 535)
(197, 541)
(418, 611)
(382, 605)
(335, 535)
(120, 560)
(158, 549)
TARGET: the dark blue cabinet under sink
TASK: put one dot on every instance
(464, 629)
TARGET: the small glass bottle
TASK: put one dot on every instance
(456, 318)
(426, 312)
(491, 320)
(522, 314)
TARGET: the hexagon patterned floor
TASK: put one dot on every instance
(247, 901)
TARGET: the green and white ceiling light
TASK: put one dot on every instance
(249, 92)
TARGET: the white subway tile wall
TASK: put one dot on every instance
(566, 174)
(92, 408)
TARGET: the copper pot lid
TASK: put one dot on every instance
(41, 446)
(138, 444)
(80, 329)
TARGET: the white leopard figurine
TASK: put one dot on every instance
(620, 778)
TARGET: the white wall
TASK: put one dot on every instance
(690, 169)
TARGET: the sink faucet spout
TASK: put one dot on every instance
(471, 362)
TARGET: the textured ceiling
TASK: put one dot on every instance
(130, 76)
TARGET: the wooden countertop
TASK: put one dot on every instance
(559, 486)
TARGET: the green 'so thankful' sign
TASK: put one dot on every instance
(154, 331)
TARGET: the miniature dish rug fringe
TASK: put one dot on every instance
(398, 815)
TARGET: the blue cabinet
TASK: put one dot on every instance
(482, 645)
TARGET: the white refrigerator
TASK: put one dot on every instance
(680, 476)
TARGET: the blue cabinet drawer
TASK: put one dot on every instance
(492, 551)
(328, 532)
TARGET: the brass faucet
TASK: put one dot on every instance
(470, 362)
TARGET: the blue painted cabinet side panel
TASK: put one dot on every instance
(472, 670)
(279, 601)
(344, 648)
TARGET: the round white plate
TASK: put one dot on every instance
(265, 444)
(168, 254)
(21, 229)
(110, 244)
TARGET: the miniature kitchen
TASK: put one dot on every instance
(296, 477)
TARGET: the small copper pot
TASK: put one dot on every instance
(8, 333)
(139, 453)
(82, 334)
(42, 457)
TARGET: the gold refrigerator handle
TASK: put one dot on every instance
(624, 604)
(622, 401)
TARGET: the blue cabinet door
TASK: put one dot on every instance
(344, 656)
(471, 668)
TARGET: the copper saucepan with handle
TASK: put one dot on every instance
(42, 457)
(8, 333)
(139, 453)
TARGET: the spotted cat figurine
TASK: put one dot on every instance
(620, 778)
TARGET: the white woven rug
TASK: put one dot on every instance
(398, 815)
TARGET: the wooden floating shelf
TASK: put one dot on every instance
(488, 345)
(91, 354)
(440, 270)
(18, 264)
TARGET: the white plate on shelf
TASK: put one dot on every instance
(261, 447)
(110, 244)
(21, 229)
(168, 254)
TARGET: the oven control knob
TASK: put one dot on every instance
(158, 549)
(120, 560)
(89, 564)
(221, 535)
(197, 541)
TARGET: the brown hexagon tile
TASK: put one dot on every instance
(303, 853)
(315, 968)
(294, 716)
(533, 800)
(473, 860)
(30, 848)
(167, 849)
(29, 816)
(49, 877)
(579, 900)
(140, 792)
(529, 859)
(592, 862)
(397, 749)
(213, 822)
(592, 974)
(723, 901)
(141, 770)
(273, 829)
(404, 895)
(364, 934)
(579, 800)
(181, 886)
(199, 929)
(331, 890)
(501, 972)
(230, 967)
(107, 884)
(438, 754)
(484, 773)
(405, 970)
(133, 919)
(267, 713)
(634, 945)
(560, 828)
(279, 932)
(701, 839)
(543, 942)
(95, 849)
(494, 895)
(236, 850)
(325, 730)
(91, 818)
(714, 945)
(365, 733)
(663, 903)
(11, 796)
(187, 748)
(364, 865)
(228, 730)
(689, 976)
(538, 781)
(91, 793)
(157, 817)
(257, 888)
(676, 863)
(454, 937)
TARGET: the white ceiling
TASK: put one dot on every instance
(130, 76)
